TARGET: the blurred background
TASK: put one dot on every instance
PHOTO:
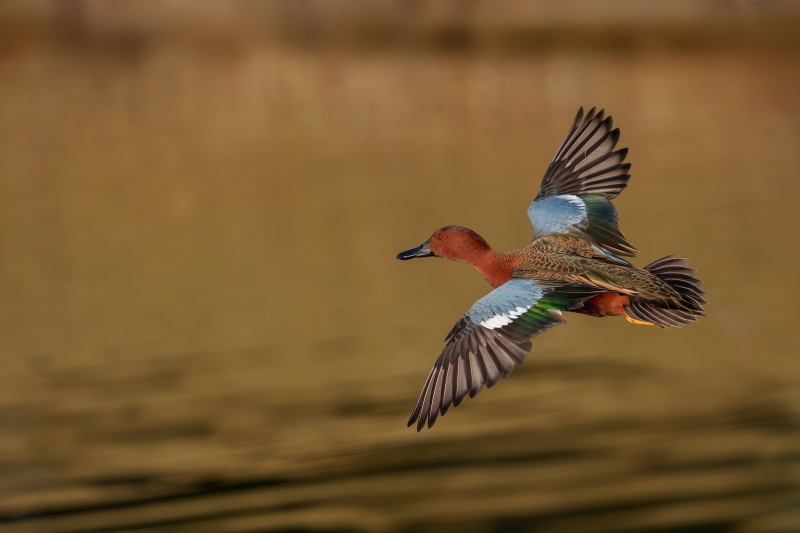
(203, 325)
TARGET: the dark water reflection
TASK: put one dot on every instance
(204, 327)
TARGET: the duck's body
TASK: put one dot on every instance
(572, 264)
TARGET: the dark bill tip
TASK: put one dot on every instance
(420, 251)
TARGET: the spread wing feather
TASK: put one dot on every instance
(491, 339)
(584, 176)
(586, 162)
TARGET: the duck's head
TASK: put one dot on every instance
(455, 243)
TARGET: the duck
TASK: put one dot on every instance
(576, 262)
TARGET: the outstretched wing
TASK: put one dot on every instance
(586, 162)
(576, 191)
(492, 337)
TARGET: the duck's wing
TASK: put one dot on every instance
(584, 176)
(586, 162)
(492, 337)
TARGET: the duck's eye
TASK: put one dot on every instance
(442, 237)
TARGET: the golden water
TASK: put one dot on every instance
(203, 326)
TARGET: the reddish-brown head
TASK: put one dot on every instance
(451, 242)
(461, 244)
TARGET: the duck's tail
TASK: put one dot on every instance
(679, 276)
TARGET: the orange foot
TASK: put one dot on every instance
(639, 322)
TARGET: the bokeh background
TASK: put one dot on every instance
(203, 327)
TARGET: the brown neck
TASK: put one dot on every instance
(496, 267)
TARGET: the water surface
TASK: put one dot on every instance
(204, 328)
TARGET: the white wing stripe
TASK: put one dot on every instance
(498, 321)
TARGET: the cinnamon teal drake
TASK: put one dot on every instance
(574, 263)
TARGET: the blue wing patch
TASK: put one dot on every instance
(506, 300)
(556, 214)
(588, 216)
